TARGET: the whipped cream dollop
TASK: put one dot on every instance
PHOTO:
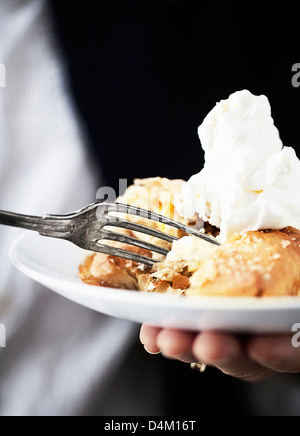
(249, 180)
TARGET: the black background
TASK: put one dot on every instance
(146, 72)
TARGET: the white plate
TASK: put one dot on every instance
(54, 264)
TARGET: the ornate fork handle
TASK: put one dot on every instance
(89, 226)
(46, 226)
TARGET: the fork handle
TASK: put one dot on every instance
(47, 226)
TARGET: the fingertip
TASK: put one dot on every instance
(148, 338)
(212, 348)
(175, 342)
(271, 349)
(154, 350)
(148, 333)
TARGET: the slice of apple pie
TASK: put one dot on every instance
(257, 263)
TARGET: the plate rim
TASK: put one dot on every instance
(216, 303)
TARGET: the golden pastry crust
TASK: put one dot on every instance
(110, 271)
(255, 264)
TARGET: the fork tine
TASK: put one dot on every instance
(118, 252)
(139, 228)
(136, 211)
(133, 241)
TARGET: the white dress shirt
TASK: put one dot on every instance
(59, 355)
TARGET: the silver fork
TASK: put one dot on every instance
(87, 227)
